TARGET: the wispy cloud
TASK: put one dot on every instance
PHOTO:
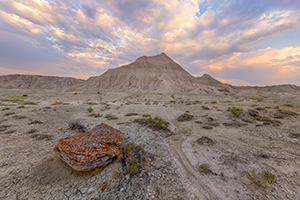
(82, 38)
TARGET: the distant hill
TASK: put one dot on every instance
(37, 82)
(154, 73)
(157, 73)
(285, 88)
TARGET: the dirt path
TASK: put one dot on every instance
(195, 183)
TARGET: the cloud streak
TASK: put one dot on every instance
(86, 37)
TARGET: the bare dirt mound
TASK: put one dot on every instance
(37, 82)
(154, 73)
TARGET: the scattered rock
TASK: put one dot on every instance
(86, 151)
(32, 131)
(39, 136)
(35, 122)
(95, 115)
(205, 141)
(9, 131)
(19, 117)
(185, 117)
(77, 126)
(8, 114)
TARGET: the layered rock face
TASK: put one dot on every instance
(86, 151)
(148, 73)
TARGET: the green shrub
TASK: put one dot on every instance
(142, 147)
(132, 158)
(128, 148)
(236, 111)
(150, 120)
(90, 109)
(261, 179)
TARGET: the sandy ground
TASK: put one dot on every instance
(232, 162)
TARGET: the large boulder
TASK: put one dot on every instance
(86, 151)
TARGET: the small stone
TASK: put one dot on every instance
(91, 190)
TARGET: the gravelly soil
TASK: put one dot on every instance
(177, 167)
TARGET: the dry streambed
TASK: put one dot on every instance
(221, 147)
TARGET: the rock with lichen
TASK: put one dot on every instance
(86, 151)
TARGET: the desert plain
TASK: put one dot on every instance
(220, 146)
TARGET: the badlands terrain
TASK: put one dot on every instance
(221, 141)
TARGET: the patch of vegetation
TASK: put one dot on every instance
(205, 108)
(234, 124)
(18, 117)
(9, 113)
(198, 122)
(27, 103)
(32, 131)
(146, 115)
(280, 114)
(17, 99)
(24, 95)
(214, 124)
(106, 107)
(267, 120)
(248, 121)
(213, 102)
(130, 114)
(205, 141)
(77, 126)
(253, 113)
(155, 103)
(35, 122)
(261, 179)
(205, 169)
(156, 124)
(56, 103)
(111, 117)
(10, 131)
(39, 136)
(196, 102)
(133, 158)
(261, 109)
(95, 115)
(185, 117)
(288, 105)
(259, 99)
(236, 112)
(207, 127)
(90, 109)
(294, 135)
(90, 103)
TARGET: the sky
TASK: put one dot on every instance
(240, 42)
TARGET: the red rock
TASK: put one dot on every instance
(86, 151)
